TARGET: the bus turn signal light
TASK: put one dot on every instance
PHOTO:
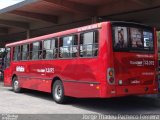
(97, 87)
(110, 73)
(110, 76)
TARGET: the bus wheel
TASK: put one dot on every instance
(58, 92)
(15, 85)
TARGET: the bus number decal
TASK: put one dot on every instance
(46, 70)
(49, 70)
(148, 62)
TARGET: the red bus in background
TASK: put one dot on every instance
(102, 60)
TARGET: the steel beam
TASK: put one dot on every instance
(37, 16)
(15, 24)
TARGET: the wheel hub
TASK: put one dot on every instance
(58, 92)
(16, 85)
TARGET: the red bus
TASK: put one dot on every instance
(103, 60)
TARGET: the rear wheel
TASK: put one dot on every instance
(58, 92)
(15, 85)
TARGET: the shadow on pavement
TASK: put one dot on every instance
(34, 93)
(121, 105)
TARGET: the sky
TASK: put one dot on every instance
(6, 3)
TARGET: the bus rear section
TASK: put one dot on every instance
(135, 59)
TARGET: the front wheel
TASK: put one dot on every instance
(58, 92)
(15, 85)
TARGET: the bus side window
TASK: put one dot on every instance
(25, 52)
(35, 49)
(69, 46)
(54, 47)
(16, 53)
(40, 51)
(7, 58)
(50, 50)
(47, 51)
(74, 48)
(30, 51)
(89, 44)
(60, 48)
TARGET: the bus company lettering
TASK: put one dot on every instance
(46, 70)
(142, 63)
(20, 69)
(89, 27)
(135, 82)
(138, 63)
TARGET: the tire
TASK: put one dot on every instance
(15, 85)
(58, 92)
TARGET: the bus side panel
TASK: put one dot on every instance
(81, 90)
(82, 77)
(7, 78)
(78, 76)
(32, 79)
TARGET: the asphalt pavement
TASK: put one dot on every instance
(34, 102)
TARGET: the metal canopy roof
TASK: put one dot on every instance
(38, 17)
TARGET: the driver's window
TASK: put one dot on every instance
(8, 58)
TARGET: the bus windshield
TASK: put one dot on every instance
(132, 39)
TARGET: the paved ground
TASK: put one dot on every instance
(32, 102)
